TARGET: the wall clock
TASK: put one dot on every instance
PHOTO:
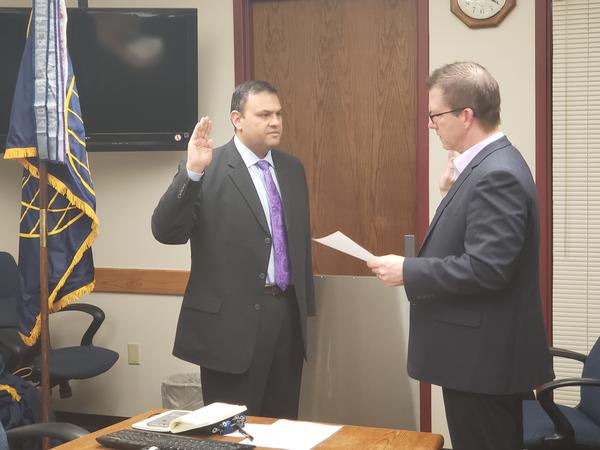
(482, 13)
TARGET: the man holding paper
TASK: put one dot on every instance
(476, 325)
(244, 209)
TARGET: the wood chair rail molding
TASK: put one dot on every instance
(141, 281)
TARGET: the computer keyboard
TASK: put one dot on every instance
(137, 439)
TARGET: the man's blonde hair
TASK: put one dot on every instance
(469, 85)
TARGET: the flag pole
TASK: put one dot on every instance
(44, 328)
(71, 274)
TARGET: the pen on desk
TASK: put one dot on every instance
(244, 432)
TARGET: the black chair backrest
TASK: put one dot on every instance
(590, 396)
(10, 290)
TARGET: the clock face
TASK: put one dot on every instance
(481, 9)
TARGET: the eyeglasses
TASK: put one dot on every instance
(433, 116)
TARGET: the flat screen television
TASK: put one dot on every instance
(136, 72)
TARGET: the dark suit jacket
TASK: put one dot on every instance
(476, 321)
(223, 219)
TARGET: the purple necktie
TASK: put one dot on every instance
(282, 271)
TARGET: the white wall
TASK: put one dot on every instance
(128, 186)
(508, 52)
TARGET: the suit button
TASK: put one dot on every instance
(267, 240)
(257, 307)
(261, 275)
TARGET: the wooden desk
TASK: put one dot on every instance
(348, 437)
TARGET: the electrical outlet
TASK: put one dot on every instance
(134, 354)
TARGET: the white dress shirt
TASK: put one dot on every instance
(463, 160)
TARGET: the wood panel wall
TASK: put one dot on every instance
(141, 281)
(346, 74)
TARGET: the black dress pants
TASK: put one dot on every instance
(484, 422)
(271, 385)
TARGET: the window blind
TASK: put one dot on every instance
(575, 182)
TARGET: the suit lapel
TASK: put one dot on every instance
(484, 153)
(241, 178)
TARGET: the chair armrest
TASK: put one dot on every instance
(562, 427)
(97, 319)
(10, 339)
(59, 430)
(14, 351)
(564, 353)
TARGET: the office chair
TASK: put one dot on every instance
(547, 425)
(67, 363)
(60, 431)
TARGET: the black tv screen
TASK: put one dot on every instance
(136, 72)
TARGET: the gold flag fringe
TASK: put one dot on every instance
(11, 391)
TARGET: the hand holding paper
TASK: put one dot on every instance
(388, 269)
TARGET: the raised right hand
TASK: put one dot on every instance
(200, 146)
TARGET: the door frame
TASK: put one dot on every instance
(244, 70)
(543, 150)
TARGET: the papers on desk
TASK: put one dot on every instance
(178, 421)
(289, 434)
(342, 243)
(208, 415)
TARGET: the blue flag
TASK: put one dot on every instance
(46, 124)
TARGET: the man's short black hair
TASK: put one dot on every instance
(240, 95)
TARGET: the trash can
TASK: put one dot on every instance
(182, 391)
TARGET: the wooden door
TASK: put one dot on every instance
(346, 72)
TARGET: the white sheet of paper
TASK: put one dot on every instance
(292, 435)
(342, 243)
